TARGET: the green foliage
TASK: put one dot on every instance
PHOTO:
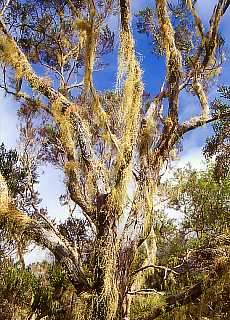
(218, 145)
(185, 37)
(198, 248)
(12, 170)
(142, 305)
(41, 289)
(204, 201)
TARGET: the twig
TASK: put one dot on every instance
(5, 7)
(145, 291)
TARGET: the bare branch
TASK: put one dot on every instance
(155, 267)
(24, 96)
(225, 7)
(50, 238)
(61, 251)
(75, 85)
(144, 292)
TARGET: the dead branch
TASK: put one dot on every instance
(144, 292)
(155, 267)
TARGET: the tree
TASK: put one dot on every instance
(198, 250)
(218, 145)
(19, 179)
(106, 143)
(40, 291)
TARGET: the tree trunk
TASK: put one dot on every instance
(108, 303)
(110, 274)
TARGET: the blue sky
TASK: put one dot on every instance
(153, 75)
(51, 182)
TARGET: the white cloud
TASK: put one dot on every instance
(37, 254)
(193, 157)
(196, 160)
(174, 214)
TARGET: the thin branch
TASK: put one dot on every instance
(225, 7)
(75, 85)
(155, 267)
(24, 96)
(5, 7)
(144, 292)
(53, 69)
(72, 7)
(197, 19)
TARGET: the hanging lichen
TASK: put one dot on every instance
(129, 72)
(4, 197)
(66, 130)
(8, 212)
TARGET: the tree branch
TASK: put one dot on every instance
(155, 267)
(225, 7)
(125, 14)
(5, 7)
(19, 62)
(50, 238)
(144, 292)
(199, 121)
(62, 252)
(63, 108)
(173, 58)
(210, 42)
(197, 19)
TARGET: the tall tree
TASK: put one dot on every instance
(108, 145)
